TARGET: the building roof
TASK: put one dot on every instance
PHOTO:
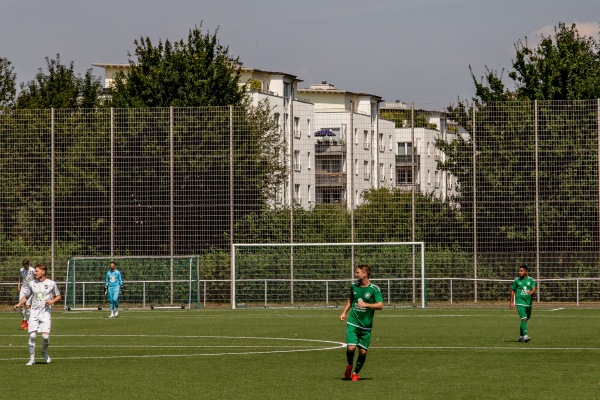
(325, 87)
(260, 71)
(110, 65)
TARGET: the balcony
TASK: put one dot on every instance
(406, 159)
(330, 179)
(325, 147)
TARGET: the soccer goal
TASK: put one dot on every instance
(157, 282)
(320, 274)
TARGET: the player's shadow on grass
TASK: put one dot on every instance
(350, 380)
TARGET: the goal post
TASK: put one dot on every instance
(148, 281)
(317, 274)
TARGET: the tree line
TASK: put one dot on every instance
(199, 72)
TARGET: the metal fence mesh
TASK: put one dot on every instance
(521, 186)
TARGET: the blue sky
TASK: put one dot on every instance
(410, 50)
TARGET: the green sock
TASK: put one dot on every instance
(523, 328)
(360, 360)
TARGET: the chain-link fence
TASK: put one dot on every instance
(486, 190)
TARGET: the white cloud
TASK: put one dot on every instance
(585, 29)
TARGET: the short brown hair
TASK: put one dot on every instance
(42, 267)
(25, 262)
(365, 268)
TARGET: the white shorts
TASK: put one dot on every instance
(39, 322)
(22, 294)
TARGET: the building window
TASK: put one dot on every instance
(404, 148)
(287, 93)
(297, 133)
(297, 165)
(404, 176)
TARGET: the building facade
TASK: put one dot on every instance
(338, 145)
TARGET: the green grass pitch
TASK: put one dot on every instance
(443, 353)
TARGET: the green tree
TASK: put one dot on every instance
(195, 73)
(563, 67)
(7, 84)
(402, 118)
(60, 87)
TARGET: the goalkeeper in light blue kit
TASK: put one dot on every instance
(113, 284)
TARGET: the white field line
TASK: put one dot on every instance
(328, 345)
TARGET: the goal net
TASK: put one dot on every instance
(320, 274)
(148, 281)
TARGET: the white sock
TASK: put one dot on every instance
(32, 336)
(45, 342)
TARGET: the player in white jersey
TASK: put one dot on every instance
(26, 275)
(43, 293)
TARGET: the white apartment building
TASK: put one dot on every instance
(110, 71)
(295, 119)
(427, 177)
(337, 145)
(355, 149)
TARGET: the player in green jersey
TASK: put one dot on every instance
(521, 294)
(360, 308)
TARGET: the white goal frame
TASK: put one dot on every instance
(421, 301)
(75, 289)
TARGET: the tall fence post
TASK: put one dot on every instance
(52, 194)
(231, 201)
(537, 195)
(412, 193)
(171, 196)
(598, 157)
(290, 127)
(352, 200)
(112, 182)
(473, 108)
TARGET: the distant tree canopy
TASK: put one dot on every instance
(565, 66)
(195, 73)
(7, 84)
(402, 119)
(60, 87)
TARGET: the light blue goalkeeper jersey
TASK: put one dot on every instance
(113, 279)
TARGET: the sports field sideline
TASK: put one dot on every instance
(449, 353)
